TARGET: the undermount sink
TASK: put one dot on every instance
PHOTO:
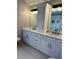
(33, 28)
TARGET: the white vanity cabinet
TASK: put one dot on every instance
(48, 45)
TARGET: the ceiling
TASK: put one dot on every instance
(34, 2)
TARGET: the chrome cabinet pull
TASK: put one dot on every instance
(49, 45)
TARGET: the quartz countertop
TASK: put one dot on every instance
(46, 34)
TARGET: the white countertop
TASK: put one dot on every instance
(47, 34)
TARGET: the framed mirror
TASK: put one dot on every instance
(55, 24)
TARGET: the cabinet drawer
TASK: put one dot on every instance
(58, 42)
(35, 35)
(35, 44)
(44, 37)
(35, 41)
(35, 38)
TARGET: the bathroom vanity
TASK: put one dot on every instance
(50, 45)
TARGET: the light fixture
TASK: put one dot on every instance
(34, 11)
(57, 9)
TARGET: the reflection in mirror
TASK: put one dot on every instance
(33, 19)
(55, 24)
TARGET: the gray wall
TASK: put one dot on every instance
(41, 18)
(22, 16)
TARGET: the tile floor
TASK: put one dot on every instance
(25, 51)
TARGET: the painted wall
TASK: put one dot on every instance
(41, 18)
(23, 12)
(22, 16)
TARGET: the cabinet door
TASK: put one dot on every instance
(59, 48)
(47, 47)
(51, 47)
(44, 44)
(56, 49)
(25, 36)
(31, 40)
